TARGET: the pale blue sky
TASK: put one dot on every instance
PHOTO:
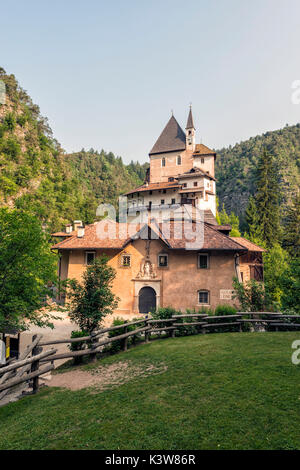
(107, 74)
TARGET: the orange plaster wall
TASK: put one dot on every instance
(180, 281)
(161, 174)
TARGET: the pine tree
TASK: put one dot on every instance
(291, 237)
(267, 200)
(252, 222)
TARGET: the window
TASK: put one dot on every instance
(173, 201)
(184, 185)
(202, 160)
(150, 192)
(195, 183)
(162, 201)
(203, 297)
(90, 257)
(126, 261)
(162, 261)
(179, 160)
(164, 191)
(203, 261)
(163, 161)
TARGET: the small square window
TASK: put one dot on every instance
(195, 183)
(173, 201)
(89, 258)
(162, 261)
(126, 261)
(203, 261)
(162, 201)
(203, 297)
(184, 185)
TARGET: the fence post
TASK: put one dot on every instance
(35, 366)
(173, 332)
(146, 332)
(125, 340)
(94, 341)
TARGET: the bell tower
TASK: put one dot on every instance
(190, 132)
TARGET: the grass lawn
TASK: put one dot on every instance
(220, 391)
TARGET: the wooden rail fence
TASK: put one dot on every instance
(28, 367)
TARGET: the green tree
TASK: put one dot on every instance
(223, 219)
(252, 221)
(275, 264)
(92, 299)
(251, 295)
(27, 266)
(290, 285)
(291, 237)
(267, 200)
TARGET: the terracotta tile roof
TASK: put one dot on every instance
(247, 244)
(104, 234)
(61, 234)
(202, 149)
(194, 189)
(154, 186)
(195, 171)
(176, 234)
(171, 139)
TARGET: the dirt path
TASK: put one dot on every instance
(105, 377)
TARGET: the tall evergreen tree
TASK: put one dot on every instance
(267, 200)
(291, 236)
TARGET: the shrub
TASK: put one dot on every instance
(116, 346)
(163, 312)
(225, 310)
(252, 296)
(78, 346)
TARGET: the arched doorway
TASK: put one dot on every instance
(147, 299)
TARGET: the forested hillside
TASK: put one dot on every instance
(236, 167)
(36, 174)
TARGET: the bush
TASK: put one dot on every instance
(78, 346)
(116, 346)
(163, 312)
(193, 329)
(225, 310)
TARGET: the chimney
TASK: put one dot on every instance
(80, 232)
(77, 223)
(69, 228)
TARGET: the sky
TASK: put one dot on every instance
(108, 74)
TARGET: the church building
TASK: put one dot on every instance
(159, 258)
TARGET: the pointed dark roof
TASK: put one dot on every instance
(190, 122)
(171, 139)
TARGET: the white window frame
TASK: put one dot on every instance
(158, 263)
(208, 296)
(198, 260)
(86, 256)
